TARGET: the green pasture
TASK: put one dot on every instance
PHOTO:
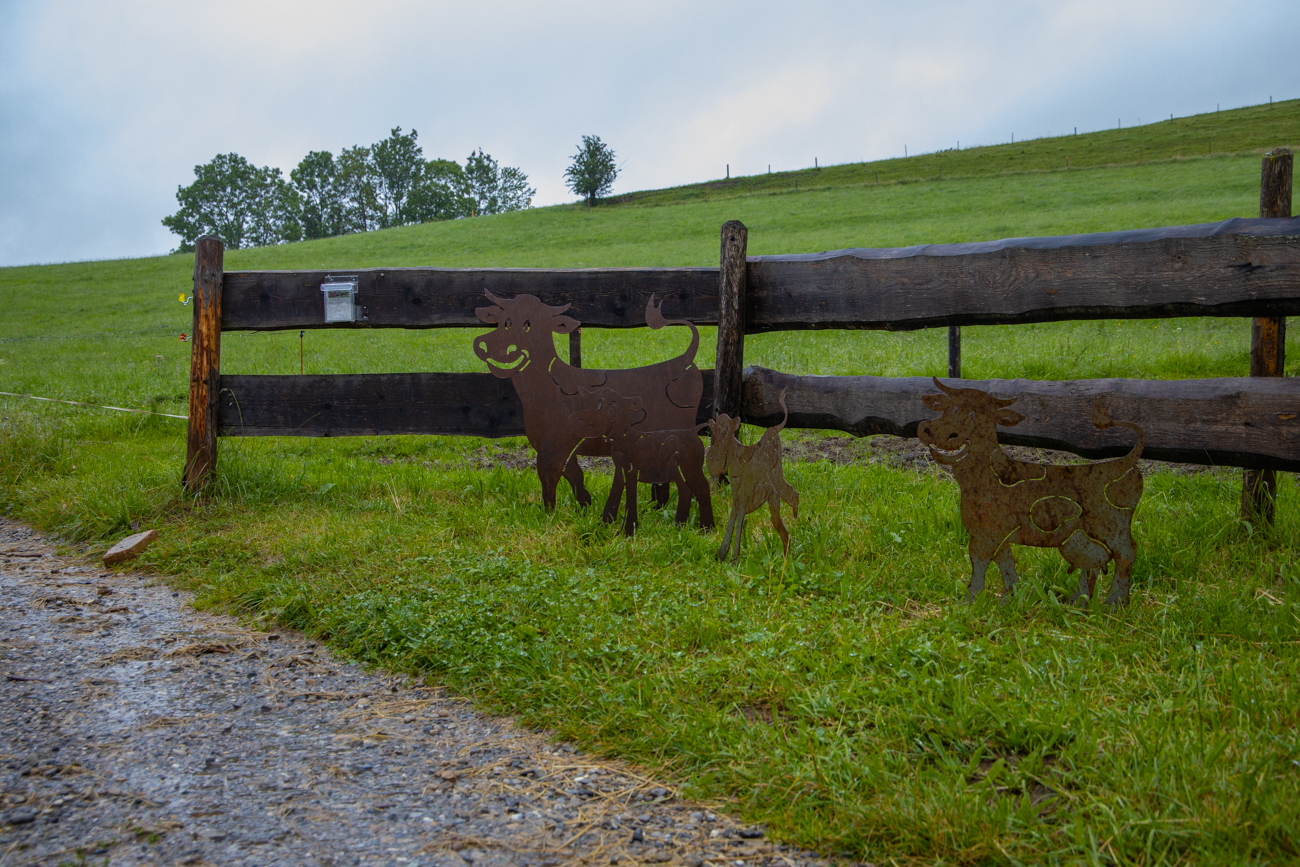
(847, 696)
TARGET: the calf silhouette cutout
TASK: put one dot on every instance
(755, 476)
(656, 457)
(1085, 511)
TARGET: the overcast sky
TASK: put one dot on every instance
(106, 107)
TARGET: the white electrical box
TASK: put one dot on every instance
(340, 294)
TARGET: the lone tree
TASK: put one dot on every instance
(593, 171)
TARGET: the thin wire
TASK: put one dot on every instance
(95, 405)
(85, 336)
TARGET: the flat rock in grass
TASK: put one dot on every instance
(130, 547)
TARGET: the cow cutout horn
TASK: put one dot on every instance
(951, 392)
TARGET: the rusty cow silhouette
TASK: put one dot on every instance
(755, 476)
(656, 457)
(1085, 510)
(521, 348)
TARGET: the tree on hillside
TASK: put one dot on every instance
(359, 187)
(321, 208)
(593, 170)
(490, 189)
(439, 194)
(240, 203)
(398, 164)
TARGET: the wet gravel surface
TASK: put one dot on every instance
(135, 730)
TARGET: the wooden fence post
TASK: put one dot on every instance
(954, 352)
(730, 363)
(575, 347)
(1268, 336)
(205, 363)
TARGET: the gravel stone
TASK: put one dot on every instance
(135, 730)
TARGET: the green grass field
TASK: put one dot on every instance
(847, 696)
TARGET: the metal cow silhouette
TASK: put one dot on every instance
(521, 348)
(656, 456)
(1085, 511)
(755, 476)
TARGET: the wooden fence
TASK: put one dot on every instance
(1239, 268)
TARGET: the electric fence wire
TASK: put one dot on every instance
(93, 334)
(94, 405)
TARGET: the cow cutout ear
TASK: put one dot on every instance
(1009, 417)
(937, 402)
(564, 324)
(488, 314)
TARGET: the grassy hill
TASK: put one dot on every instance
(847, 697)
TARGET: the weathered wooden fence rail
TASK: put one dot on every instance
(1238, 267)
(1228, 421)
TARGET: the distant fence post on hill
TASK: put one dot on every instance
(1268, 335)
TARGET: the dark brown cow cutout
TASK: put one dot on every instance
(1085, 511)
(521, 348)
(755, 476)
(653, 456)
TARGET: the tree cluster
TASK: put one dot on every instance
(362, 189)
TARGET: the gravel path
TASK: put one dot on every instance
(135, 730)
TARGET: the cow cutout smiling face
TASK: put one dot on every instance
(521, 324)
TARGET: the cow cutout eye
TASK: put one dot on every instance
(507, 325)
(527, 325)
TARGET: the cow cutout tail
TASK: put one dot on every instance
(781, 400)
(1102, 421)
(654, 318)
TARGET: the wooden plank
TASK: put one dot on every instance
(730, 355)
(1240, 267)
(379, 404)
(205, 364)
(1243, 422)
(1268, 334)
(447, 297)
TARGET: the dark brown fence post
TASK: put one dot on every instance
(1268, 335)
(954, 352)
(730, 362)
(205, 363)
(575, 347)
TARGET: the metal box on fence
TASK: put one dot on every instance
(340, 294)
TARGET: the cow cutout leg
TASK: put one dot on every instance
(1007, 566)
(610, 513)
(727, 534)
(740, 534)
(683, 502)
(774, 506)
(661, 493)
(1087, 588)
(699, 485)
(549, 473)
(979, 567)
(573, 472)
(1125, 556)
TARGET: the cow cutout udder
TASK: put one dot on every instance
(1085, 511)
(521, 348)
